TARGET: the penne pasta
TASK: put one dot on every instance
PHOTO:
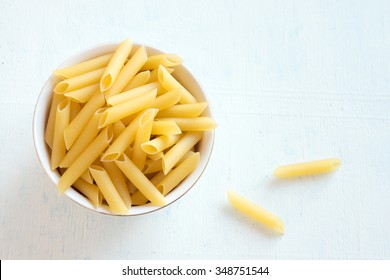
(83, 67)
(160, 143)
(165, 127)
(108, 190)
(138, 198)
(185, 144)
(75, 109)
(90, 191)
(86, 176)
(132, 94)
(307, 168)
(173, 178)
(139, 180)
(183, 110)
(115, 65)
(73, 130)
(118, 127)
(139, 80)
(256, 212)
(49, 132)
(157, 156)
(86, 158)
(170, 83)
(144, 129)
(152, 166)
(119, 181)
(128, 71)
(78, 82)
(127, 108)
(154, 74)
(61, 121)
(123, 141)
(82, 95)
(193, 124)
(168, 99)
(85, 138)
(166, 60)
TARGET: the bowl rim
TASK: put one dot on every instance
(35, 132)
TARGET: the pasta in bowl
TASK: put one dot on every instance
(123, 129)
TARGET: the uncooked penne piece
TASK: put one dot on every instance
(185, 144)
(183, 110)
(307, 168)
(90, 191)
(75, 109)
(108, 190)
(73, 130)
(49, 132)
(123, 141)
(86, 176)
(131, 94)
(61, 121)
(78, 82)
(119, 127)
(140, 180)
(83, 67)
(144, 129)
(115, 65)
(152, 166)
(166, 60)
(154, 74)
(193, 124)
(138, 198)
(82, 95)
(87, 157)
(173, 178)
(85, 138)
(119, 181)
(128, 71)
(139, 80)
(157, 156)
(160, 143)
(122, 110)
(256, 212)
(169, 83)
(165, 127)
(168, 99)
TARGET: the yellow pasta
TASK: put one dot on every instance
(140, 180)
(173, 178)
(154, 74)
(144, 129)
(85, 138)
(138, 198)
(157, 156)
(193, 124)
(139, 80)
(256, 212)
(73, 130)
(83, 67)
(49, 132)
(119, 181)
(152, 166)
(169, 83)
(183, 110)
(307, 168)
(166, 60)
(86, 158)
(78, 82)
(165, 127)
(115, 65)
(160, 143)
(185, 144)
(118, 127)
(132, 94)
(123, 141)
(90, 191)
(122, 110)
(82, 95)
(108, 190)
(168, 99)
(128, 71)
(86, 176)
(61, 121)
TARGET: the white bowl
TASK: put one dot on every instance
(41, 114)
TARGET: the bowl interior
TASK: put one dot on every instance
(42, 111)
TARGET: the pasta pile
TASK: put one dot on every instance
(122, 129)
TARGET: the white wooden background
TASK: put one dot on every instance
(287, 81)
